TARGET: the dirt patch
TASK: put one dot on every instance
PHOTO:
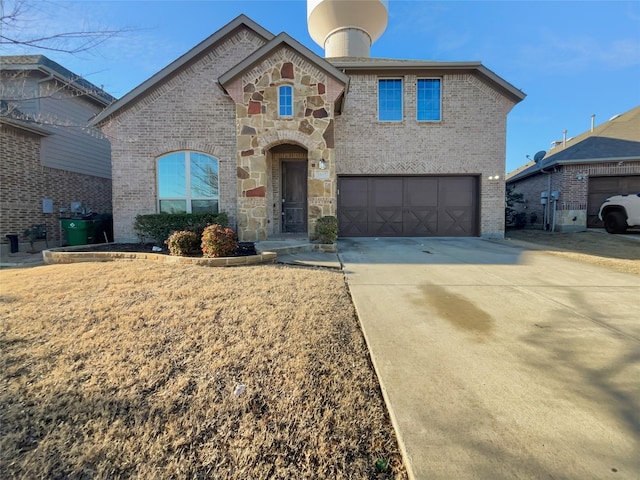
(134, 369)
(615, 252)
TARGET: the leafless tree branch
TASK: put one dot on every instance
(15, 15)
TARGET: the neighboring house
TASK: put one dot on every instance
(576, 175)
(260, 127)
(49, 157)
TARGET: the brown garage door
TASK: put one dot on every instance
(408, 206)
(602, 187)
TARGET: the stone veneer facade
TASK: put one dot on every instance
(259, 128)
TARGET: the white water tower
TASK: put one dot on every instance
(347, 28)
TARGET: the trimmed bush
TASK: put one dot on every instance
(326, 229)
(157, 227)
(183, 243)
(218, 241)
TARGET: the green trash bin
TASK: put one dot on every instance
(78, 231)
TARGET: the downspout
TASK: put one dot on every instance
(555, 205)
(546, 207)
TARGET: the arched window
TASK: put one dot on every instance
(187, 183)
(285, 101)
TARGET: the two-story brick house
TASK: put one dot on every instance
(262, 128)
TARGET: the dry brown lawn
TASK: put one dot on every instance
(128, 370)
(614, 252)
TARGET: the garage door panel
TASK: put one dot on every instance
(457, 191)
(420, 222)
(386, 221)
(352, 222)
(408, 206)
(421, 192)
(602, 187)
(455, 221)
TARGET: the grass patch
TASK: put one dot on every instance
(614, 252)
(122, 369)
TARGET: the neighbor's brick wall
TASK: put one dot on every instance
(189, 111)
(572, 181)
(530, 189)
(470, 139)
(24, 182)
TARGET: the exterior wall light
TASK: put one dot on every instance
(322, 164)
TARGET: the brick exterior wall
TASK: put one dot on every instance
(24, 183)
(191, 111)
(186, 112)
(572, 183)
(470, 139)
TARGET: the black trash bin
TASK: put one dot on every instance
(13, 242)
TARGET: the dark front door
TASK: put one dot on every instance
(294, 197)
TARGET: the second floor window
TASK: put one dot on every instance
(428, 92)
(285, 101)
(390, 100)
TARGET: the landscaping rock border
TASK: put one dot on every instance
(72, 255)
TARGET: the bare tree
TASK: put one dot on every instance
(16, 30)
(24, 26)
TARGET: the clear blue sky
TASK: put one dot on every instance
(572, 58)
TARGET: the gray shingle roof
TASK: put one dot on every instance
(40, 62)
(615, 140)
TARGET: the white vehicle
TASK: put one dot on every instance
(620, 212)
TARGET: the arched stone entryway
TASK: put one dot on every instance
(287, 190)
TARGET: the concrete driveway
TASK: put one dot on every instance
(501, 363)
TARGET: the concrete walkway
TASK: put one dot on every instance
(501, 363)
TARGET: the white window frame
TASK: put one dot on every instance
(401, 79)
(279, 96)
(188, 198)
(440, 99)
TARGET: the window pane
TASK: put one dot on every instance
(285, 101)
(428, 99)
(172, 176)
(204, 176)
(173, 206)
(204, 206)
(390, 100)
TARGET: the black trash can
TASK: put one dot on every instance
(13, 242)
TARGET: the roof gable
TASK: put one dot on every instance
(275, 44)
(48, 67)
(242, 21)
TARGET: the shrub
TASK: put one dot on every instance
(326, 229)
(157, 227)
(218, 241)
(183, 243)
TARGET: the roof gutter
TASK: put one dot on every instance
(51, 74)
(514, 93)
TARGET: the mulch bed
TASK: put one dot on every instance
(244, 248)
